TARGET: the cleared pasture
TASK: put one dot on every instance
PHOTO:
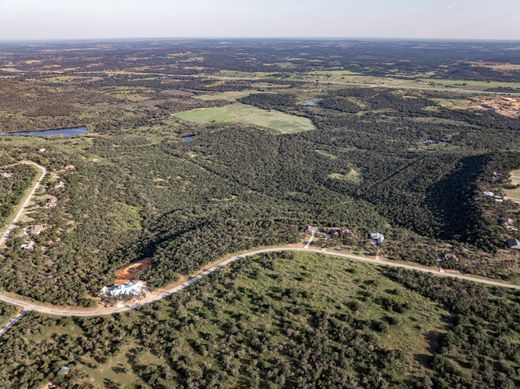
(241, 113)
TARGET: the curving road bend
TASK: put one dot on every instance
(159, 294)
(162, 293)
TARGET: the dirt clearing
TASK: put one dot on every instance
(132, 271)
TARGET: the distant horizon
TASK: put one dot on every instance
(238, 38)
(51, 20)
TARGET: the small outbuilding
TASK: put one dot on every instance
(377, 238)
(27, 246)
(508, 222)
(513, 244)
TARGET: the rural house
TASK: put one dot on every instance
(377, 238)
(132, 289)
(508, 222)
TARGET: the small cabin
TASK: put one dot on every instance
(513, 244)
(27, 246)
(377, 238)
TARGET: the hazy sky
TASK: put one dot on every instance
(60, 19)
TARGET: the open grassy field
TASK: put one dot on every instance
(514, 194)
(241, 113)
(348, 78)
(227, 95)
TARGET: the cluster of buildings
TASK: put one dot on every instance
(497, 198)
(507, 222)
(343, 232)
(334, 232)
(31, 231)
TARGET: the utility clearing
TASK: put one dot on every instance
(241, 113)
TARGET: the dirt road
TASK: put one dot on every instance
(162, 293)
(159, 294)
(25, 202)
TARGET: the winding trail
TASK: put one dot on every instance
(27, 305)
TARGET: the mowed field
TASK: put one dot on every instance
(241, 113)
(514, 194)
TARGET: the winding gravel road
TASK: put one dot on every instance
(159, 294)
(162, 293)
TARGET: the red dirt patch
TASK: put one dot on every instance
(132, 271)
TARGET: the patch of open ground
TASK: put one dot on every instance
(132, 271)
(514, 194)
(228, 95)
(241, 113)
(505, 106)
(117, 368)
(348, 78)
(352, 176)
(497, 66)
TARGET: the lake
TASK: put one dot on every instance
(65, 132)
(311, 104)
(188, 138)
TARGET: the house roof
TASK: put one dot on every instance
(513, 243)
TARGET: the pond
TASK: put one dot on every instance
(65, 132)
(311, 104)
(188, 138)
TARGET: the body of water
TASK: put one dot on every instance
(311, 104)
(65, 132)
(188, 138)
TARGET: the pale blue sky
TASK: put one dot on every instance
(60, 19)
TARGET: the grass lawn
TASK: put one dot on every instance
(241, 113)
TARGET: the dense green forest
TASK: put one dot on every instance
(236, 187)
(14, 181)
(406, 140)
(286, 320)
